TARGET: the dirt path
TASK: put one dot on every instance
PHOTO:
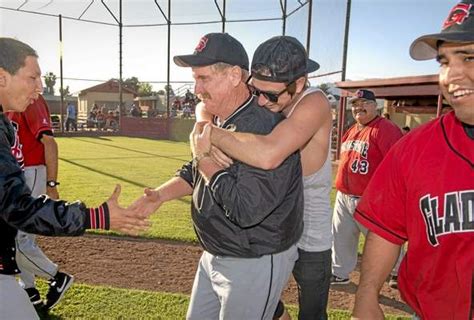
(166, 266)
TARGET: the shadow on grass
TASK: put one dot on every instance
(175, 157)
(44, 315)
(114, 176)
(383, 300)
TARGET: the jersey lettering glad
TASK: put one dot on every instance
(362, 151)
(423, 193)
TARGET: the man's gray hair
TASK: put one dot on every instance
(221, 66)
(13, 54)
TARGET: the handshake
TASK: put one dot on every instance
(133, 219)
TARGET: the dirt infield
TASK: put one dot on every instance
(166, 266)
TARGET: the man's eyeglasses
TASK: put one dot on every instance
(270, 96)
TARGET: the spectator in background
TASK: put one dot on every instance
(186, 111)
(71, 117)
(100, 120)
(386, 115)
(110, 122)
(92, 117)
(177, 104)
(405, 130)
(188, 97)
(135, 111)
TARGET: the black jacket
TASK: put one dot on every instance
(18, 210)
(245, 211)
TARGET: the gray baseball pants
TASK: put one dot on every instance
(30, 258)
(346, 232)
(14, 302)
(240, 288)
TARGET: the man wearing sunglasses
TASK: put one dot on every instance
(279, 81)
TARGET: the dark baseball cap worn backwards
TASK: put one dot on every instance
(363, 94)
(281, 59)
(458, 27)
(213, 48)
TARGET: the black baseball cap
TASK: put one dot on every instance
(213, 48)
(458, 27)
(281, 59)
(363, 94)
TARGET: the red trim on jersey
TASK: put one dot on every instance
(101, 218)
(92, 216)
(379, 229)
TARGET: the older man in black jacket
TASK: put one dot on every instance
(248, 220)
(20, 84)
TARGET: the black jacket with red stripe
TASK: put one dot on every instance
(42, 215)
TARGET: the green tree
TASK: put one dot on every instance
(325, 87)
(132, 83)
(50, 81)
(65, 92)
(145, 89)
(170, 88)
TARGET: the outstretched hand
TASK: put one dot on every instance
(130, 220)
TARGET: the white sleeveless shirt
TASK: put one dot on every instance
(317, 232)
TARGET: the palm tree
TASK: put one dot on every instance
(50, 81)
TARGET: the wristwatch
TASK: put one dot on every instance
(52, 183)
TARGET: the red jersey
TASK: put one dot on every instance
(423, 193)
(30, 125)
(362, 151)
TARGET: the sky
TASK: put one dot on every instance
(380, 34)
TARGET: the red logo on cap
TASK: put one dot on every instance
(202, 44)
(360, 94)
(457, 15)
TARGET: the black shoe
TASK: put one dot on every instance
(57, 288)
(35, 298)
(337, 281)
(393, 282)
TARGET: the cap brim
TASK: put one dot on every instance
(312, 66)
(354, 99)
(192, 60)
(425, 47)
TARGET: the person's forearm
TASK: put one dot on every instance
(51, 158)
(174, 188)
(378, 259)
(255, 150)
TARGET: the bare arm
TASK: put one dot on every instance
(152, 199)
(202, 114)
(378, 260)
(51, 162)
(269, 151)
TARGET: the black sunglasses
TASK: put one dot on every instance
(270, 96)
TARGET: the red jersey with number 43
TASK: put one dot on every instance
(29, 125)
(423, 193)
(362, 151)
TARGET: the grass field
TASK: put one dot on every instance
(88, 170)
